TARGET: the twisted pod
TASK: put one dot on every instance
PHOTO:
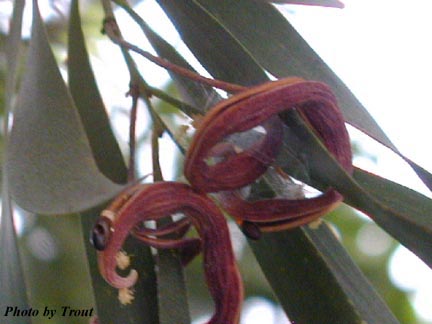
(214, 164)
(158, 200)
(259, 106)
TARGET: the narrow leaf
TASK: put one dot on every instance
(90, 105)
(403, 213)
(349, 276)
(316, 280)
(13, 52)
(322, 3)
(409, 220)
(424, 175)
(12, 281)
(50, 163)
(172, 296)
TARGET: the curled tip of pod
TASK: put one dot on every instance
(120, 282)
(101, 233)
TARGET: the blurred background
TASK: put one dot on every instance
(378, 48)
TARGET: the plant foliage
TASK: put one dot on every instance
(62, 157)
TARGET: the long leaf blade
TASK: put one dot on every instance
(322, 3)
(403, 213)
(316, 280)
(50, 164)
(12, 280)
(89, 104)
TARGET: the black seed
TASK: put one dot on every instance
(101, 233)
(251, 230)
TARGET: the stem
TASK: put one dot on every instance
(157, 131)
(134, 93)
(112, 30)
(183, 106)
(157, 171)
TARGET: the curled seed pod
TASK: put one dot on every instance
(159, 200)
(262, 106)
(259, 106)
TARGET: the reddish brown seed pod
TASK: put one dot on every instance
(259, 106)
(232, 169)
(158, 200)
(255, 107)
